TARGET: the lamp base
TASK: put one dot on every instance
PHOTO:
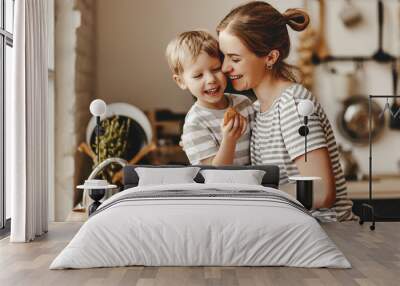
(96, 195)
(304, 193)
(93, 207)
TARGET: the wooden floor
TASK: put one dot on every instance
(375, 256)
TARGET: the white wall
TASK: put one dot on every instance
(132, 36)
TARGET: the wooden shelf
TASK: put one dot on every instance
(170, 149)
(166, 123)
(162, 130)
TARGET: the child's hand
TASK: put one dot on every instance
(235, 128)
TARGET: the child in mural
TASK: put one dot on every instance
(216, 129)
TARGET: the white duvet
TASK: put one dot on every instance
(183, 231)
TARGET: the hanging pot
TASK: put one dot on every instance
(350, 14)
(353, 120)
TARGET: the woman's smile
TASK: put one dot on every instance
(234, 77)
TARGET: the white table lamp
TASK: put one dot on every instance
(305, 109)
(98, 108)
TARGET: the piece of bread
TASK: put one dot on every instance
(230, 114)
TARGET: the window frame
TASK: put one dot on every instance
(6, 39)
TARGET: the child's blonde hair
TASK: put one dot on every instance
(189, 45)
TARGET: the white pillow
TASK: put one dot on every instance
(163, 176)
(248, 177)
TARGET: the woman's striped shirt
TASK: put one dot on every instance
(275, 140)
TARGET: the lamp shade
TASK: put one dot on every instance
(305, 107)
(98, 107)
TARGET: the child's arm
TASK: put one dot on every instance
(231, 132)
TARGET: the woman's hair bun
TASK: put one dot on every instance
(297, 19)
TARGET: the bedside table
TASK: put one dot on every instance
(304, 189)
(96, 190)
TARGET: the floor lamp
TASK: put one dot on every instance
(304, 184)
(97, 188)
(369, 206)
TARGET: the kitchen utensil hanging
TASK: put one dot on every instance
(394, 121)
(386, 107)
(321, 54)
(381, 55)
(321, 47)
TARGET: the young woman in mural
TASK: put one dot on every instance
(255, 42)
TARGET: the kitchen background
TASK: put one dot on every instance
(114, 50)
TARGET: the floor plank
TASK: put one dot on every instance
(374, 255)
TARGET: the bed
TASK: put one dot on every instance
(201, 224)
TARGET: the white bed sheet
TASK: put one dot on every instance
(200, 231)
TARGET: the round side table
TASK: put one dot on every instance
(304, 189)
